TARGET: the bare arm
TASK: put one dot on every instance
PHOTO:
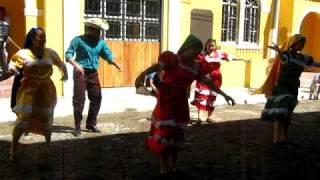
(61, 65)
(154, 68)
(282, 54)
(315, 63)
(241, 59)
(76, 66)
(6, 75)
(70, 55)
(206, 80)
(153, 86)
(118, 66)
(63, 69)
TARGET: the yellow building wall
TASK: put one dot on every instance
(285, 20)
(15, 12)
(44, 13)
(40, 18)
(315, 52)
(33, 14)
(291, 13)
(238, 73)
(53, 24)
(185, 19)
(164, 24)
(248, 75)
(310, 27)
(82, 6)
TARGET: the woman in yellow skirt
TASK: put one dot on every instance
(36, 97)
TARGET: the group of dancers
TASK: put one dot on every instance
(178, 71)
(36, 95)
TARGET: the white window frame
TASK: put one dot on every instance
(241, 43)
(228, 42)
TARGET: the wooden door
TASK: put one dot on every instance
(134, 58)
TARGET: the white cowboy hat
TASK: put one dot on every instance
(97, 23)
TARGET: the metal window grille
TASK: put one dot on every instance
(4, 32)
(129, 20)
(93, 7)
(229, 20)
(251, 21)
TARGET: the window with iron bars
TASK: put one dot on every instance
(251, 21)
(229, 20)
(129, 20)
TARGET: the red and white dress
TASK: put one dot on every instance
(171, 114)
(204, 97)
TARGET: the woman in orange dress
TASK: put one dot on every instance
(36, 96)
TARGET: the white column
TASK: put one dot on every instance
(241, 22)
(31, 9)
(72, 28)
(174, 25)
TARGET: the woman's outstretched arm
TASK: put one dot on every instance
(154, 68)
(206, 80)
(315, 63)
(6, 75)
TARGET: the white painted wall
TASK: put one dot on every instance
(72, 28)
(174, 26)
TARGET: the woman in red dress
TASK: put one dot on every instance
(205, 97)
(171, 114)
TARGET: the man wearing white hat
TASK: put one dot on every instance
(87, 49)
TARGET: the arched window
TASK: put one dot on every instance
(229, 20)
(251, 21)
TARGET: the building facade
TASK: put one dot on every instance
(141, 29)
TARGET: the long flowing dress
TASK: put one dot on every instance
(281, 103)
(36, 96)
(204, 97)
(171, 114)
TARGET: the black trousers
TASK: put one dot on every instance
(88, 82)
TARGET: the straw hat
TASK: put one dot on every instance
(97, 23)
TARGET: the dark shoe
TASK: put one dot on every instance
(77, 132)
(93, 129)
(196, 123)
(210, 121)
(178, 174)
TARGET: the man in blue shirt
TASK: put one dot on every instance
(87, 49)
(153, 81)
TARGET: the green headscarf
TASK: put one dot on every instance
(191, 41)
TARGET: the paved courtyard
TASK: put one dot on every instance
(238, 146)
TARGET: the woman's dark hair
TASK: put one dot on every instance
(30, 36)
(207, 42)
(3, 9)
(298, 41)
(191, 42)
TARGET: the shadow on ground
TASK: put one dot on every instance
(237, 150)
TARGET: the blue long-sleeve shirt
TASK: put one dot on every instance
(87, 53)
